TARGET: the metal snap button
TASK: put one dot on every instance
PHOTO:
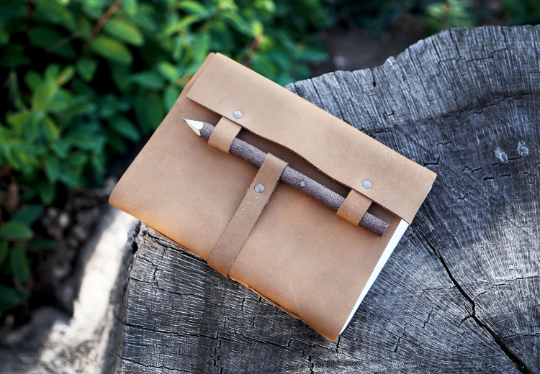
(237, 114)
(366, 184)
(259, 188)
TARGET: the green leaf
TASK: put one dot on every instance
(120, 76)
(66, 75)
(80, 107)
(130, 6)
(52, 71)
(124, 127)
(55, 13)
(93, 9)
(168, 71)
(263, 66)
(32, 80)
(86, 67)
(80, 140)
(177, 48)
(4, 250)
(149, 111)
(148, 79)
(43, 94)
(60, 148)
(72, 169)
(46, 191)
(84, 26)
(108, 106)
(50, 39)
(194, 7)
(201, 46)
(170, 96)
(124, 30)
(144, 20)
(19, 263)
(111, 50)
(268, 5)
(9, 298)
(52, 167)
(21, 121)
(15, 231)
(4, 37)
(236, 21)
(99, 161)
(50, 129)
(28, 215)
(256, 28)
(187, 21)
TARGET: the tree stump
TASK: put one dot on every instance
(461, 291)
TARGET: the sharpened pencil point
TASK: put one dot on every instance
(196, 126)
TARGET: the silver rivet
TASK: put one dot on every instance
(302, 184)
(259, 188)
(237, 114)
(366, 184)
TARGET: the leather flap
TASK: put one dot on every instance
(332, 146)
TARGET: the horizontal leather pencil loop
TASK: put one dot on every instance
(354, 207)
(224, 134)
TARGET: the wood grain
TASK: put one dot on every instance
(460, 294)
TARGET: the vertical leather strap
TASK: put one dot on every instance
(224, 134)
(354, 207)
(237, 231)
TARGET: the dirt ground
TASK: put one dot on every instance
(351, 50)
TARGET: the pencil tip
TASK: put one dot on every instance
(196, 126)
(185, 120)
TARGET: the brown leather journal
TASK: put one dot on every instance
(300, 255)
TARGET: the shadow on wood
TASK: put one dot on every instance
(461, 291)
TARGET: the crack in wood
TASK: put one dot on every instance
(515, 359)
(156, 367)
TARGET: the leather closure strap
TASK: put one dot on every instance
(354, 207)
(237, 231)
(333, 147)
(224, 134)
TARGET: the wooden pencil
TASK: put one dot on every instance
(291, 176)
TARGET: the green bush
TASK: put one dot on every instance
(84, 78)
(437, 15)
(451, 13)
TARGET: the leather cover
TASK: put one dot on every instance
(299, 253)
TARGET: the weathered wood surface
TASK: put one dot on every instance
(461, 291)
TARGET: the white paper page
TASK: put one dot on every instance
(400, 230)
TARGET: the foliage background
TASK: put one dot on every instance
(84, 80)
